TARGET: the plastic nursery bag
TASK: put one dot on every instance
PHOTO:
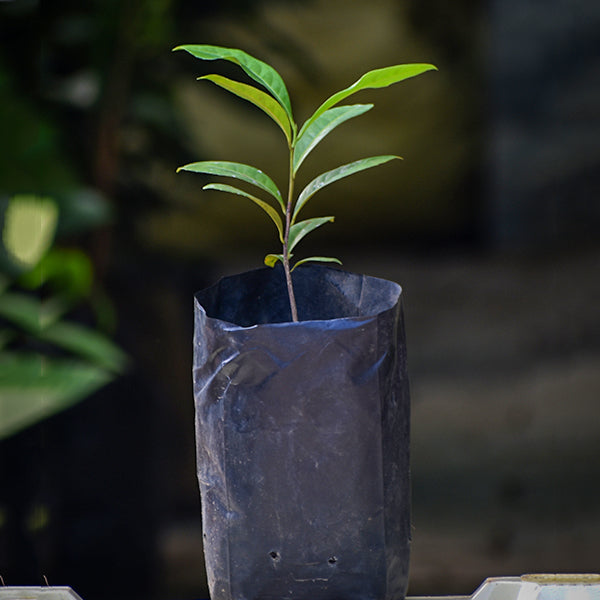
(302, 434)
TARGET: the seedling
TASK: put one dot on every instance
(273, 98)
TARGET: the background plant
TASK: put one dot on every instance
(275, 102)
(48, 361)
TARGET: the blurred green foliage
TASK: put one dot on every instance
(47, 361)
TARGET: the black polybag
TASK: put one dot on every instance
(302, 433)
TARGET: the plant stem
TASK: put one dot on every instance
(290, 288)
(286, 238)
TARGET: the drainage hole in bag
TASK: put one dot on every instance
(275, 556)
(332, 560)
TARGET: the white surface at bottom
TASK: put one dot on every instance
(539, 586)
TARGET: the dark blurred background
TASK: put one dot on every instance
(490, 224)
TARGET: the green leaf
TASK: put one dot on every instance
(29, 226)
(299, 230)
(379, 78)
(258, 70)
(264, 205)
(34, 387)
(323, 125)
(237, 171)
(335, 174)
(324, 259)
(86, 343)
(30, 313)
(258, 98)
(272, 259)
(22, 310)
(69, 270)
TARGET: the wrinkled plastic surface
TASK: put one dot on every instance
(303, 437)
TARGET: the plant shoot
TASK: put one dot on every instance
(272, 97)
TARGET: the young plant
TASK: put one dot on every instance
(274, 100)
